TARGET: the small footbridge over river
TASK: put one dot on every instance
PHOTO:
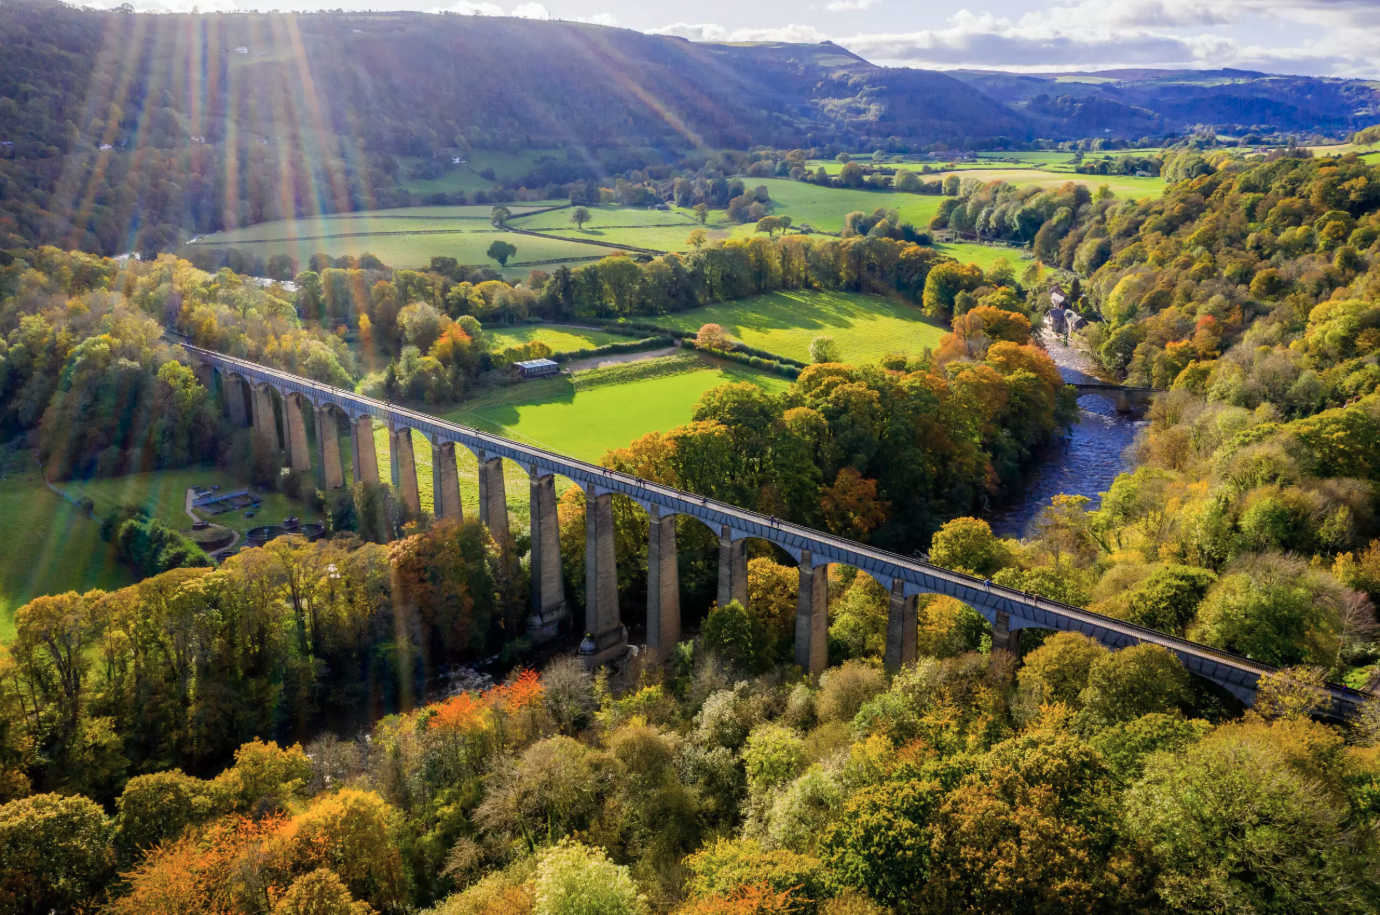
(257, 396)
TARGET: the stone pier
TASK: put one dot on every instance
(330, 471)
(233, 388)
(445, 483)
(404, 468)
(549, 608)
(902, 619)
(606, 639)
(663, 586)
(1004, 637)
(812, 617)
(363, 452)
(298, 455)
(732, 570)
(265, 422)
(493, 498)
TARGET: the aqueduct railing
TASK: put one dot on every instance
(1008, 610)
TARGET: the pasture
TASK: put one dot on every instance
(985, 256)
(824, 207)
(584, 421)
(560, 337)
(866, 327)
(404, 238)
(51, 546)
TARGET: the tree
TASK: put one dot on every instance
(499, 216)
(739, 636)
(968, 545)
(701, 211)
(501, 251)
(320, 892)
(770, 225)
(158, 807)
(1058, 670)
(774, 756)
(1232, 823)
(712, 337)
(851, 507)
(1124, 685)
(1275, 609)
(697, 238)
(56, 851)
(880, 843)
(579, 216)
(575, 879)
(825, 349)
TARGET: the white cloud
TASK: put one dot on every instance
(467, 8)
(607, 19)
(531, 11)
(706, 31)
(837, 6)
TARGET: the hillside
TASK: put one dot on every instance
(1155, 102)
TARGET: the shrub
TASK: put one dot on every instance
(574, 879)
(843, 690)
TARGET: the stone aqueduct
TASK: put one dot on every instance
(248, 390)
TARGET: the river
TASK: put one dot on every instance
(1085, 462)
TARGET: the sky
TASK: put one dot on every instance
(1314, 37)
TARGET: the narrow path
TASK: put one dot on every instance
(599, 362)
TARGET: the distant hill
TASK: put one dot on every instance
(1155, 102)
(123, 131)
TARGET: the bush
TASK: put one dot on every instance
(574, 879)
(153, 547)
(610, 349)
(739, 636)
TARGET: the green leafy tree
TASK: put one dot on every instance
(499, 216)
(880, 843)
(701, 211)
(501, 251)
(774, 755)
(968, 545)
(825, 349)
(1233, 824)
(1124, 685)
(575, 879)
(739, 636)
(56, 853)
(579, 216)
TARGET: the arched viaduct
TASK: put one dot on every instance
(247, 389)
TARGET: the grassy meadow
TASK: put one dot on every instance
(866, 327)
(51, 546)
(985, 256)
(559, 337)
(564, 415)
(403, 238)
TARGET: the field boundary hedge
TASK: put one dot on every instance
(611, 349)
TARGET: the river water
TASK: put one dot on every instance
(1085, 462)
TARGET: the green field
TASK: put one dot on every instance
(865, 326)
(587, 422)
(164, 492)
(638, 227)
(985, 256)
(824, 207)
(51, 547)
(466, 177)
(405, 238)
(561, 338)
